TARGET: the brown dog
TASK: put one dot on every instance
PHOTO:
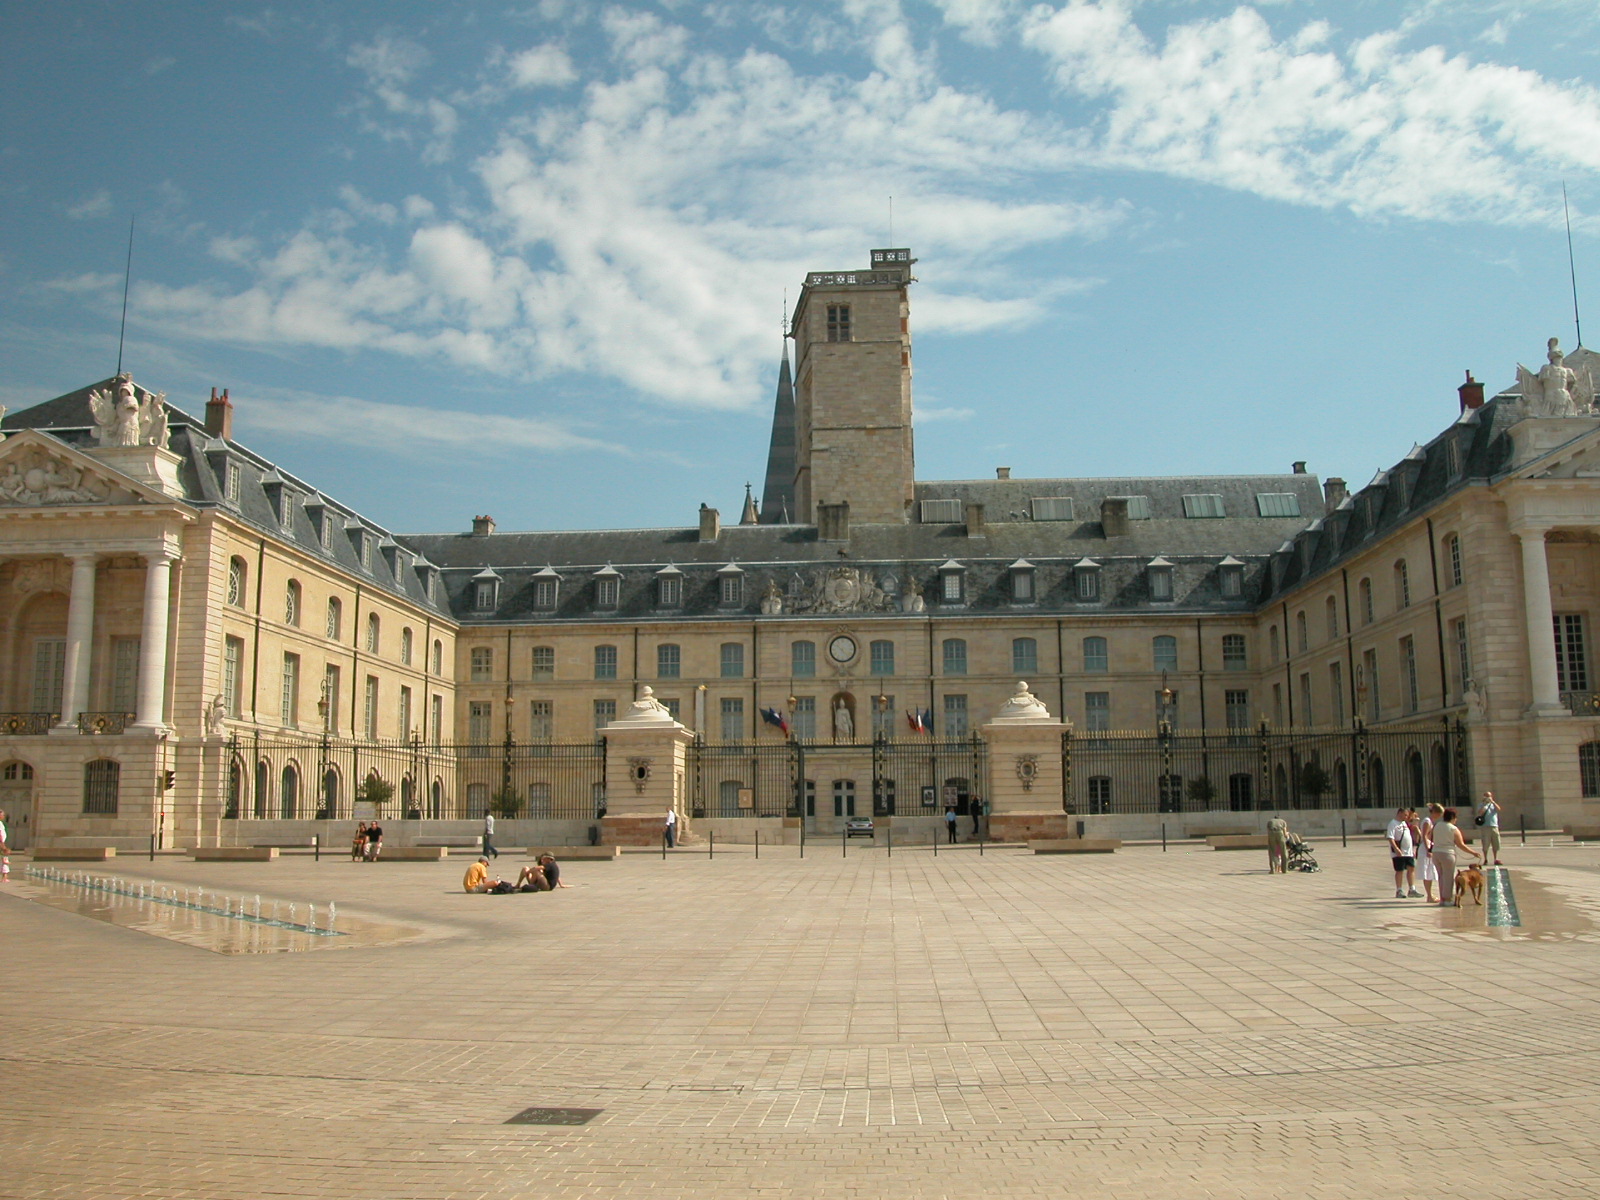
(1469, 877)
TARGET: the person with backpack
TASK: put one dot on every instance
(1488, 819)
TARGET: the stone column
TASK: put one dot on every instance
(645, 772)
(80, 641)
(1541, 636)
(153, 641)
(1025, 771)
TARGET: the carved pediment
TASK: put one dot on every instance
(839, 590)
(33, 476)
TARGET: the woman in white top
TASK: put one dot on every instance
(1447, 840)
(1430, 873)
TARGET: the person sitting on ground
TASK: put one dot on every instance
(552, 871)
(374, 841)
(358, 844)
(477, 877)
(532, 879)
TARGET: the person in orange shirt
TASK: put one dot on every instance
(477, 877)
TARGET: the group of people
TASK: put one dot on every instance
(541, 876)
(1434, 840)
(367, 843)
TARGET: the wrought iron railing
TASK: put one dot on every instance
(105, 722)
(1582, 704)
(26, 723)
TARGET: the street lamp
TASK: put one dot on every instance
(505, 762)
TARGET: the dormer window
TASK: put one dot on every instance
(730, 586)
(1159, 572)
(232, 475)
(1230, 577)
(1277, 504)
(669, 587)
(1203, 504)
(607, 587)
(1022, 572)
(952, 582)
(362, 541)
(1086, 580)
(546, 589)
(485, 590)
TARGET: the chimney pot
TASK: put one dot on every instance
(1300, 467)
(833, 522)
(1471, 393)
(482, 526)
(1333, 494)
(219, 415)
(1002, 472)
(1114, 516)
(710, 524)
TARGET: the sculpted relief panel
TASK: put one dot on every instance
(840, 590)
(35, 477)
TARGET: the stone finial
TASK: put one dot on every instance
(646, 710)
(1023, 706)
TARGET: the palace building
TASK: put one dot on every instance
(201, 648)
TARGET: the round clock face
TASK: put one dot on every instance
(842, 649)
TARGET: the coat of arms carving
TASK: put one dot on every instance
(838, 590)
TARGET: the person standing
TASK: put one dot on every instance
(1422, 836)
(1488, 819)
(1447, 840)
(1403, 854)
(977, 816)
(5, 850)
(950, 824)
(1277, 846)
(488, 835)
(670, 832)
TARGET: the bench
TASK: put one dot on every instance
(1583, 833)
(1242, 841)
(1211, 831)
(414, 854)
(291, 844)
(1076, 846)
(234, 853)
(570, 853)
(453, 843)
(73, 853)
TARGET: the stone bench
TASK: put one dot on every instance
(73, 853)
(571, 853)
(414, 854)
(1583, 833)
(1076, 846)
(1240, 841)
(1211, 831)
(234, 853)
(453, 843)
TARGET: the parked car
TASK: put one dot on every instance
(859, 827)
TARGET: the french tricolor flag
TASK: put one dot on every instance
(921, 720)
(775, 718)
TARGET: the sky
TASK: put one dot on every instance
(532, 259)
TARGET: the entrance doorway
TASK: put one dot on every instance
(17, 798)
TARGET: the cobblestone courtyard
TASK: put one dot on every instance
(1145, 1024)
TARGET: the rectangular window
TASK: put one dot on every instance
(882, 653)
(673, 706)
(483, 595)
(545, 591)
(1164, 653)
(370, 710)
(1236, 707)
(606, 592)
(1307, 716)
(1336, 692)
(605, 711)
(732, 712)
(330, 696)
(233, 675)
(1022, 586)
(1589, 769)
(1233, 652)
(480, 715)
(955, 656)
(1456, 575)
(804, 718)
(49, 674)
(1408, 665)
(544, 662)
(1096, 658)
(1161, 583)
(941, 512)
(405, 712)
(436, 721)
(803, 659)
(732, 590)
(1088, 581)
(1277, 504)
(1203, 505)
(732, 660)
(289, 697)
(838, 322)
(1138, 506)
(1458, 638)
(1369, 663)
(669, 591)
(1099, 794)
(605, 662)
(1277, 704)
(1052, 508)
(482, 664)
(1232, 581)
(955, 717)
(1097, 710)
(1024, 656)
(124, 674)
(668, 661)
(541, 720)
(232, 474)
(1572, 659)
(950, 587)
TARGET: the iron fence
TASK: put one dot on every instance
(1244, 770)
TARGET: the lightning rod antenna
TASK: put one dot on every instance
(891, 220)
(1572, 269)
(127, 275)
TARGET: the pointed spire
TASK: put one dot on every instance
(748, 516)
(777, 494)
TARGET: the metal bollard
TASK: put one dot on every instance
(663, 845)
(711, 844)
(844, 842)
(1522, 822)
(316, 847)
(152, 847)
(936, 843)
(802, 837)
(888, 832)
(1343, 842)
(1163, 837)
(758, 843)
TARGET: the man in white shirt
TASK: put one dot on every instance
(1403, 854)
(488, 835)
(1489, 821)
(671, 830)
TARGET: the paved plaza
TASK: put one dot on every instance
(1147, 1024)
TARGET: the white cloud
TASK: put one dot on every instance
(154, 66)
(391, 112)
(358, 205)
(541, 66)
(92, 207)
(934, 413)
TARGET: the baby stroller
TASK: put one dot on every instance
(1301, 856)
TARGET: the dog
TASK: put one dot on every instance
(1469, 877)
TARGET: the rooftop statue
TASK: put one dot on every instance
(124, 420)
(1557, 390)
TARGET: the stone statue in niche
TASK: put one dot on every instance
(1556, 390)
(911, 600)
(844, 724)
(216, 717)
(772, 600)
(123, 420)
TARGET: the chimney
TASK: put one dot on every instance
(1471, 393)
(1300, 467)
(710, 524)
(1333, 494)
(1002, 472)
(975, 521)
(482, 526)
(219, 414)
(833, 522)
(1114, 516)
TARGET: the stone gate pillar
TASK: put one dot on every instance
(646, 761)
(1025, 771)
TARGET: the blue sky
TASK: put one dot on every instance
(530, 259)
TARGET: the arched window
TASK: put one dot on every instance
(102, 786)
(955, 656)
(263, 779)
(436, 799)
(1364, 594)
(1024, 656)
(373, 625)
(1332, 607)
(15, 772)
(291, 603)
(234, 805)
(335, 617)
(328, 801)
(1416, 780)
(438, 658)
(236, 580)
(1302, 636)
(1380, 788)
(1402, 585)
(405, 647)
(1441, 772)
(1272, 643)
(1341, 783)
(289, 795)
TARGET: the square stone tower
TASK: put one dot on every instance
(853, 442)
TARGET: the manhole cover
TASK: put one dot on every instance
(555, 1116)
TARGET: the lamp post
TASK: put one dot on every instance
(505, 761)
(1166, 801)
(325, 711)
